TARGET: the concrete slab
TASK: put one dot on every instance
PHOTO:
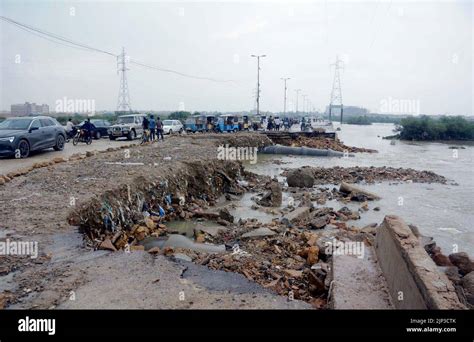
(358, 283)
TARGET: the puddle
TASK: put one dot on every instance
(242, 208)
(186, 228)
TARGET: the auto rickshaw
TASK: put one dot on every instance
(195, 123)
(211, 123)
(246, 123)
(228, 123)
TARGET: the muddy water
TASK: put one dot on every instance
(442, 211)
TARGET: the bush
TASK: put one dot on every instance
(445, 128)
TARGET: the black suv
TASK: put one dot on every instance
(21, 135)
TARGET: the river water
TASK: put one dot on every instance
(444, 212)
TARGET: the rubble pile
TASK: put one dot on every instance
(328, 144)
(458, 267)
(356, 174)
(285, 260)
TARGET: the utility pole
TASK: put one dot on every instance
(258, 81)
(284, 95)
(336, 92)
(304, 103)
(297, 95)
(123, 102)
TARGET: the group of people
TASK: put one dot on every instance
(152, 129)
(275, 124)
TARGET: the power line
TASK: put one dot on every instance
(70, 43)
(132, 61)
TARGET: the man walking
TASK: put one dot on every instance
(152, 124)
(159, 129)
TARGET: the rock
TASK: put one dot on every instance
(137, 248)
(440, 259)
(451, 272)
(273, 197)
(300, 178)
(298, 214)
(107, 245)
(462, 261)
(319, 222)
(293, 273)
(369, 229)
(377, 209)
(467, 284)
(154, 250)
(182, 256)
(259, 232)
(312, 257)
(224, 214)
(150, 223)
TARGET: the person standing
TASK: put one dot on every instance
(159, 129)
(152, 124)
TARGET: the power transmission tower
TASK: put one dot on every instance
(284, 95)
(123, 102)
(336, 93)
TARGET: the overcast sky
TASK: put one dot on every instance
(417, 51)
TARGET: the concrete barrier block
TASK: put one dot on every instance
(413, 279)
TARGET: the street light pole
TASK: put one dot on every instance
(284, 95)
(258, 81)
(304, 102)
(297, 95)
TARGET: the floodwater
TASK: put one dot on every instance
(444, 212)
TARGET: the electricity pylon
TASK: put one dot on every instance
(336, 92)
(123, 102)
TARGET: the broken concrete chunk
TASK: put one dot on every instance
(357, 192)
(273, 197)
(259, 232)
(298, 214)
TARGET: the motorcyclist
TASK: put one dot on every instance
(70, 130)
(88, 127)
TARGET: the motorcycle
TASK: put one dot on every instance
(71, 134)
(82, 136)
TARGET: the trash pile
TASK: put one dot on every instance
(308, 176)
(327, 144)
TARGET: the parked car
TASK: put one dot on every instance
(21, 135)
(172, 126)
(129, 126)
(102, 128)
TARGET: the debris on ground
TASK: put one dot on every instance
(358, 174)
(328, 144)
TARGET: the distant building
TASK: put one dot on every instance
(29, 109)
